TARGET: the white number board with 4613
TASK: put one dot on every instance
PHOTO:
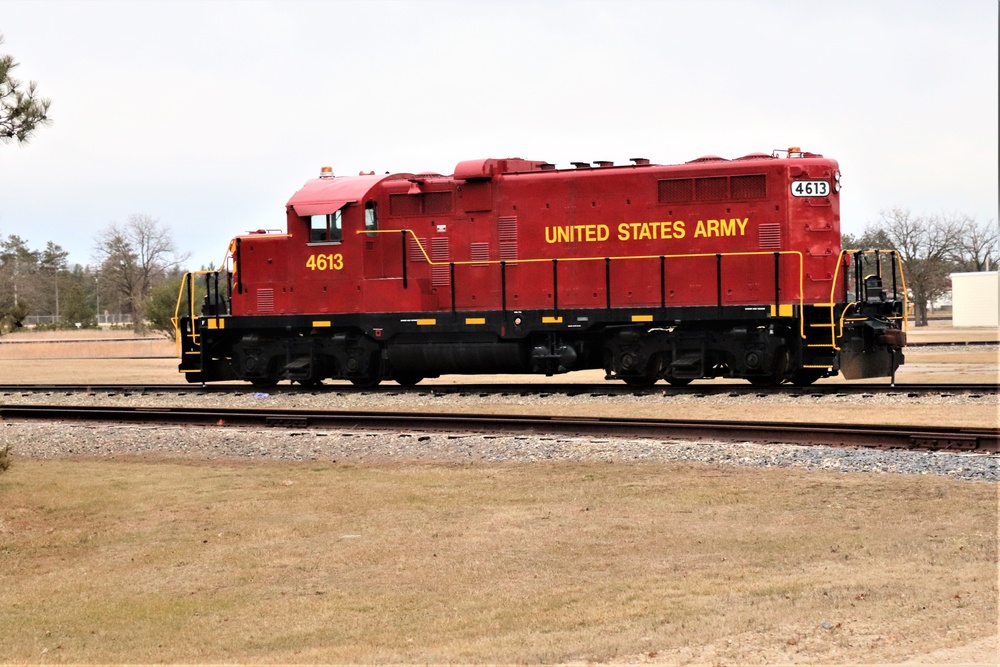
(810, 188)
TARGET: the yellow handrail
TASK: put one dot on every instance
(537, 260)
(175, 320)
(833, 288)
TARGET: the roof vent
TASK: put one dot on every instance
(547, 166)
(581, 165)
(604, 163)
(707, 158)
(639, 161)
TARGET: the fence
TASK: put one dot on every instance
(106, 319)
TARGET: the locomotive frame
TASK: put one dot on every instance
(767, 313)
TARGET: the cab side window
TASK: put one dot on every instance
(325, 228)
(371, 218)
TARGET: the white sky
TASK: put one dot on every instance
(209, 115)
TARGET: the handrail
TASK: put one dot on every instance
(833, 287)
(187, 283)
(508, 262)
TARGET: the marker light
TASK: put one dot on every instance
(326, 172)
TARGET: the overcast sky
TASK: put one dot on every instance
(209, 115)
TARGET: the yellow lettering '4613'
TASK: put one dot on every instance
(327, 262)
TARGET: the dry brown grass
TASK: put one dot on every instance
(160, 561)
(83, 345)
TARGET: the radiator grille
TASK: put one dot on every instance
(428, 203)
(748, 187)
(675, 190)
(404, 204)
(436, 203)
(710, 189)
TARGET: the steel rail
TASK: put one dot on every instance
(980, 440)
(527, 389)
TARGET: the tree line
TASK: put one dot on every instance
(137, 272)
(931, 248)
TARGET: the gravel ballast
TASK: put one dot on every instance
(57, 440)
(47, 441)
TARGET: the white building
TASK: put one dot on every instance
(975, 299)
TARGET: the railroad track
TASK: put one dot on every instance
(535, 389)
(952, 439)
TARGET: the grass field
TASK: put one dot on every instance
(224, 561)
(144, 560)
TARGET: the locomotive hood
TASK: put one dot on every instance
(326, 195)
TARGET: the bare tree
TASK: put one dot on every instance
(977, 245)
(21, 110)
(927, 246)
(134, 258)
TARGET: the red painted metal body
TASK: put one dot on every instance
(497, 225)
(712, 268)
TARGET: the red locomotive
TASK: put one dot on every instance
(712, 268)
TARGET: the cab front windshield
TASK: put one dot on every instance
(325, 228)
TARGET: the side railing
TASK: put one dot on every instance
(865, 289)
(777, 309)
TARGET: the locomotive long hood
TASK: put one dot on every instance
(326, 195)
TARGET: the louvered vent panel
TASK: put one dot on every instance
(508, 250)
(415, 254)
(675, 190)
(439, 249)
(507, 228)
(770, 237)
(265, 300)
(479, 252)
(439, 253)
(710, 189)
(748, 187)
(507, 234)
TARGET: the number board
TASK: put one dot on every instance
(810, 188)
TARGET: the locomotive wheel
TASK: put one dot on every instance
(372, 377)
(407, 380)
(782, 359)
